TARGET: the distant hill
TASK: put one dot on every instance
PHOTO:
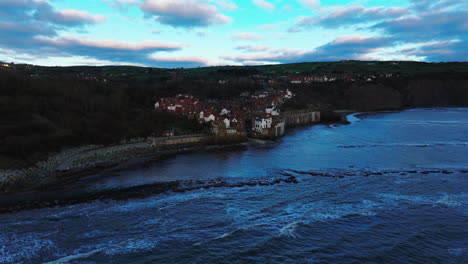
(404, 68)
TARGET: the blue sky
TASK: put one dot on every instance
(193, 33)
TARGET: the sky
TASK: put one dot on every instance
(196, 33)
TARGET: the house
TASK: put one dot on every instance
(224, 111)
(227, 122)
(262, 123)
(208, 116)
(234, 122)
(272, 110)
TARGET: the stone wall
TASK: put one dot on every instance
(181, 140)
(293, 119)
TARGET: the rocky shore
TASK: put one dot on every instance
(71, 164)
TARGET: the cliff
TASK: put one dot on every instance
(438, 90)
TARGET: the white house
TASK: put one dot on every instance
(273, 110)
(209, 118)
(227, 122)
(262, 123)
(224, 111)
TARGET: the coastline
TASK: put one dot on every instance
(66, 187)
(71, 164)
(59, 180)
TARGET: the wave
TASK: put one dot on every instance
(353, 118)
(290, 229)
(16, 248)
(457, 251)
(453, 201)
(67, 259)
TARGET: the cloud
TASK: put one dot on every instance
(120, 4)
(440, 51)
(344, 15)
(264, 5)
(310, 3)
(111, 50)
(424, 5)
(421, 24)
(179, 61)
(22, 20)
(184, 13)
(247, 36)
(70, 41)
(226, 5)
(426, 26)
(250, 48)
(69, 17)
(345, 47)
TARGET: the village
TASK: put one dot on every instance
(252, 114)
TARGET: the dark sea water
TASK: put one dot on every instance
(388, 188)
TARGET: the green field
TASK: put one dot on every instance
(403, 68)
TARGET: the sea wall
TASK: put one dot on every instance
(177, 140)
(294, 119)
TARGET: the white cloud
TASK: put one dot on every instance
(251, 48)
(72, 16)
(226, 5)
(247, 36)
(184, 13)
(70, 41)
(310, 3)
(264, 5)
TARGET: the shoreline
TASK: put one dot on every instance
(61, 180)
(65, 187)
(88, 160)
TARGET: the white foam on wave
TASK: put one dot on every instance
(162, 203)
(18, 248)
(131, 246)
(67, 259)
(353, 118)
(289, 230)
(443, 199)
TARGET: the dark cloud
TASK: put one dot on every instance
(184, 13)
(347, 47)
(422, 24)
(424, 5)
(30, 27)
(352, 15)
(427, 26)
(111, 50)
(440, 51)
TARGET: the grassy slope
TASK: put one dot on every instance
(405, 68)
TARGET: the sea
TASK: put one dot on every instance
(391, 187)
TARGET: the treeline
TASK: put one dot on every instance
(44, 115)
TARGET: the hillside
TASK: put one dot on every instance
(46, 109)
